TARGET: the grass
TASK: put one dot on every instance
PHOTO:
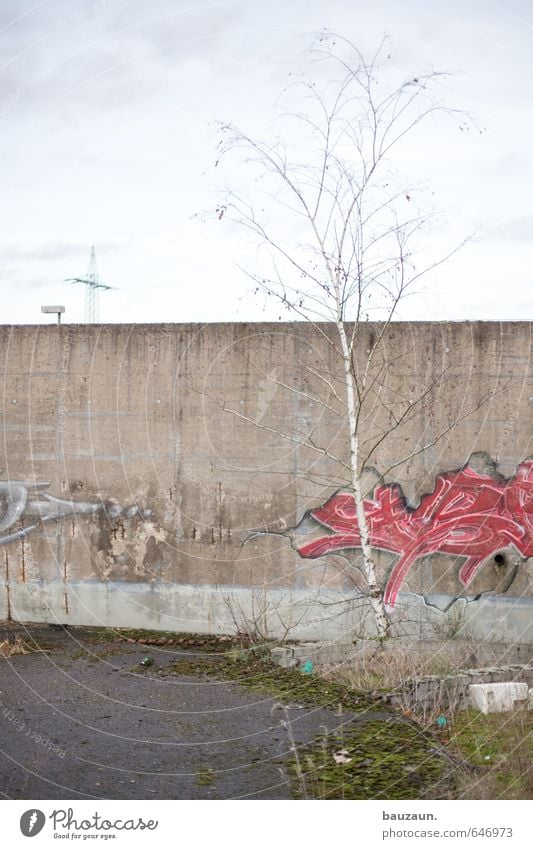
(399, 756)
(371, 759)
(490, 755)
(500, 745)
(258, 674)
(388, 670)
(199, 642)
(389, 757)
(93, 636)
(379, 752)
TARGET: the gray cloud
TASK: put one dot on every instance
(47, 251)
(518, 229)
(51, 251)
(104, 114)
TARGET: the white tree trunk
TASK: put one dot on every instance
(369, 567)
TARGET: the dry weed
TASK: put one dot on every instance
(391, 668)
(501, 746)
(9, 648)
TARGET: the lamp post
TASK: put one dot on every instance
(54, 309)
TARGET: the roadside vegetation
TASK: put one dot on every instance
(377, 750)
(491, 755)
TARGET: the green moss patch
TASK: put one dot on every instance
(387, 757)
(261, 676)
(371, 759)
(205, 777)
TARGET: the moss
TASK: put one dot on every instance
(263, 677)
(78, 655)
(205, 777)
(383, 759)
(92, 655)
(389, 757)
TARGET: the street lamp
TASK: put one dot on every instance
(54, 309)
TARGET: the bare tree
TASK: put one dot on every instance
(344, 233)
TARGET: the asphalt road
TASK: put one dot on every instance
(81, 720)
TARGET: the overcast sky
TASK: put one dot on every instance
(106, 132)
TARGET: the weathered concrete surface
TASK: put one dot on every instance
(453, 691)
(497, 697)
(157, 417)
(464, 654)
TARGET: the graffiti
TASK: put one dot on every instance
(21, 501)
(468, 514)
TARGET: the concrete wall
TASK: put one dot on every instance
(138, 492)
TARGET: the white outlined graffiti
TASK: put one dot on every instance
(22, 500)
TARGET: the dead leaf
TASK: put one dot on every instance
(341, 757)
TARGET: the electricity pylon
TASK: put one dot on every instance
(92, 292)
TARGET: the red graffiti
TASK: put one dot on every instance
(468, 514)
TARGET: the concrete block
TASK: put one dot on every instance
(283, 656)
(306, 651)
(496, 698)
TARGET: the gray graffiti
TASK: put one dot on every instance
(27, 500)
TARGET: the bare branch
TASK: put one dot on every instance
(344, 244)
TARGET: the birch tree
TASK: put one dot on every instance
(341, 230)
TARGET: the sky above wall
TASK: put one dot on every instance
(107, 137)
